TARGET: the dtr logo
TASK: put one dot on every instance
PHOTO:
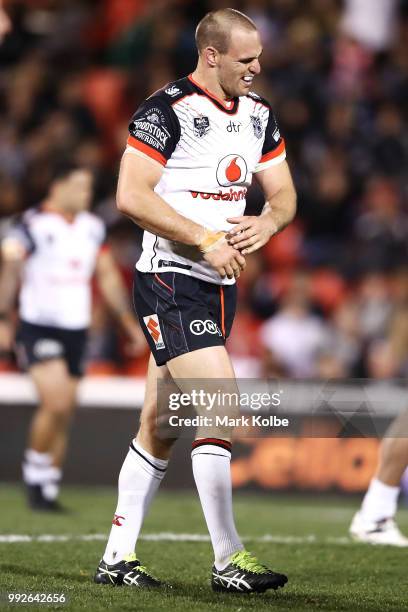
(232, 169)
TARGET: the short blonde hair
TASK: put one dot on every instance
(214, 30)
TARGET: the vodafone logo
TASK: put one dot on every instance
(232, 169)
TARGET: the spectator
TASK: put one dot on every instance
(295, 336)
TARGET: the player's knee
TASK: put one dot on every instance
(394, 449)
(61, 407)
(152, 434)
(148, 424)
(219, 432)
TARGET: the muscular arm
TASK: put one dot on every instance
(115, 294)
(137, 199)
(278, 211)
(111, 285)
(10, 275)
(280, 195)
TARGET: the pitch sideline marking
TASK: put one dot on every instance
(171, 537)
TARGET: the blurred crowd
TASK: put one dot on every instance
(328, 297)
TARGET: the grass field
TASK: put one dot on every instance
(306, 537)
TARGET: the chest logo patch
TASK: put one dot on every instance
(232, 169)
(257, 126)
(201, 126)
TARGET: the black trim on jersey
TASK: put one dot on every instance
(177, 90)
(167, 263)
(254, 96)
(154, 254)
(270, 144)
(202, 92)
(22, 225)
(272, 129)
(156, 125)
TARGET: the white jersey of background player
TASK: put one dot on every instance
(56, 287)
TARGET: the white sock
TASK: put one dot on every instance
(139, 479)
(38, 470)
(380, 501)
(212, 474)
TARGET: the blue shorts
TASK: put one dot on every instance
(39, 343)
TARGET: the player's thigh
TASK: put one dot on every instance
(208, 373)
(156, 378)
(56, 388)
(155, 374)
(205, 363)
(153, 433)
(54, 359)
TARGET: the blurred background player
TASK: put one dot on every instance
(202, 136)
(54, 251)
(375, 521)
(5, 23)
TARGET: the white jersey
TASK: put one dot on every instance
(209, 149)
(60, 262)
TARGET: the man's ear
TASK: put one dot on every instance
(211, 56)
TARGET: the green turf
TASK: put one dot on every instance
(323, 575)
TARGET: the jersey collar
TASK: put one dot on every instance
(49, 208)
(227, 106)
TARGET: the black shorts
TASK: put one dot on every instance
(180, 314)
(39, 343)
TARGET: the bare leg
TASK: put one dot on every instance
(394, 452)
(147, 435)
(48, 433)
(57, 392)
(210, 368)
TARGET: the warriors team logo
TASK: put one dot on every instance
(201, 126)
(257, 126)
(232, 169)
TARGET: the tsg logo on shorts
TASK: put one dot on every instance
(199, 327)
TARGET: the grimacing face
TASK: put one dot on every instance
(74, 192)
(238, 67)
